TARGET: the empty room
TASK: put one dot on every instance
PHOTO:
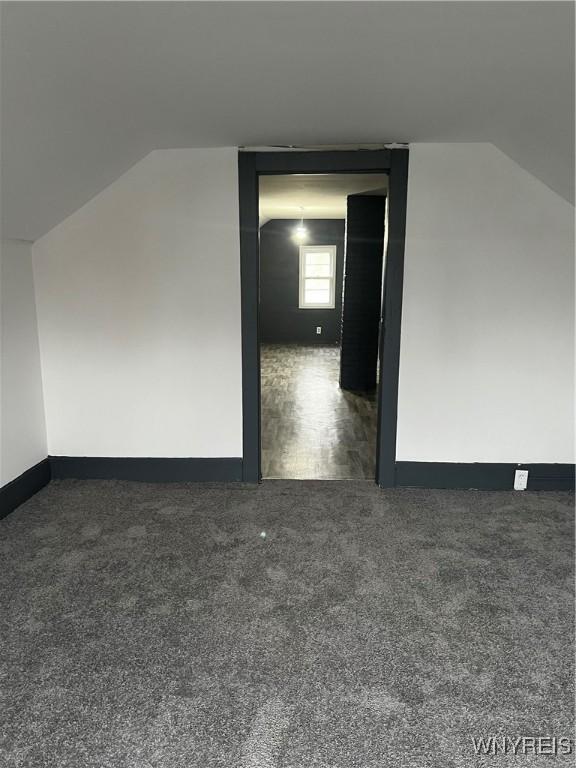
(287, 384)
(321, 249)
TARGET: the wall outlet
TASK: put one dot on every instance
(318, 329)
(520, 479)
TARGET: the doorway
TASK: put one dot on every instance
(253, 166)
(321, 255)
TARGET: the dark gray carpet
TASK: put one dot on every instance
(151, 625)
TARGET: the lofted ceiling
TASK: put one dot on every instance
(89, 88)
(314, 196)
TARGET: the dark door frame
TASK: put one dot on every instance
(251, 165)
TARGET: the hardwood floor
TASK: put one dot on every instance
(312, 429)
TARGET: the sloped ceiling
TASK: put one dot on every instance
(90, 88)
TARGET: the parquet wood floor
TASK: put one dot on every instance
(312, 429)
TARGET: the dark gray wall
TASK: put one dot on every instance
(362, 292)
(281, 321)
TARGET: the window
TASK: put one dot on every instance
(317, 276)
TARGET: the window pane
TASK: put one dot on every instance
(316, 297)
(317, 270)
(317, 285)
(318, 257)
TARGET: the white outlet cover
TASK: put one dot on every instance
(318, 329)
(520, 479)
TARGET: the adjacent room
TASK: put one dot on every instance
(287, 446)
(321, 269)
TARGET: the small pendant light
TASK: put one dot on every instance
(300, 234)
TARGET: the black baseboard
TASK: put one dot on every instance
(24, 487)
(151, 470)
(415, 474)
(493, 477)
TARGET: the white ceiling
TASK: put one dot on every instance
(320, 196)
(90, 88)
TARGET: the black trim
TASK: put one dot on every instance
(391, 321)
(415, 474)
(250, 302)
(24, 487)
(151, 470)
(495, 477)
(356, 161)
(250, 166)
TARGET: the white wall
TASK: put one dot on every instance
(22, 426)
(487, 350)
(139, 313)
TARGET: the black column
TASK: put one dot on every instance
(362, 291)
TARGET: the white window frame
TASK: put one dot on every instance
(302, 304)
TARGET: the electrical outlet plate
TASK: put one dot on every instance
(520, 479)
(318, 329)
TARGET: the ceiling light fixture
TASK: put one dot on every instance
(300, 234)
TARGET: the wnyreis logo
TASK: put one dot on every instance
(523, 745)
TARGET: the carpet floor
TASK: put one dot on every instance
(154, 626)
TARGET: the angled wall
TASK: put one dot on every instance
(22, 425)
(138, 299)
(487, 348)
(139, 314)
